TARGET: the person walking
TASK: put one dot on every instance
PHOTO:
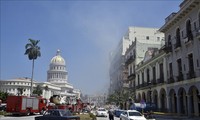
(111, 115)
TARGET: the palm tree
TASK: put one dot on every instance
(33, 51)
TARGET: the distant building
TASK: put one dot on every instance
(57, 82)
(129, 52)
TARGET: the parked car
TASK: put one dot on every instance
(132, 115)
(3, 107)
(118, 112)
(57, 114)
(101, 112)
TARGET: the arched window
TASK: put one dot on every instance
(189, 30)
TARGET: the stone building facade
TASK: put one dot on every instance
(171, 78)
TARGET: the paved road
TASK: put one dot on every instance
(18, 117)
(104, 118)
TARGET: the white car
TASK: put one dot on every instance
(132, 115)
(101, 112)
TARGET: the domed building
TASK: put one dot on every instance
(57, 82)
(58, 75)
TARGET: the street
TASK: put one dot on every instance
(106, 118)
(98, 118)
(18, 117)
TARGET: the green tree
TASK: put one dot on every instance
(118, 97)
(33, 52)
(3, 96)
(38, 90)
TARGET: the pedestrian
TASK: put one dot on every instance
(111, 115)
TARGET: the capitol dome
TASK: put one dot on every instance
(57, 72)
(58, 59)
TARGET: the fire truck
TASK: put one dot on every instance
(55, 103)
(25, 105)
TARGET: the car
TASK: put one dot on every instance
(101, 112)
(3, 107)
(132, 115)
(57, 114)
(118, 112)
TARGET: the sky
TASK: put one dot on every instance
(85, 31)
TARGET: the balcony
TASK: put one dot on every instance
(154, 82)
(198, 33)
(177, 45)
(171, 79)
(126, 85)
(190, 75)
(180, 77)
(167, 48)
(188, 38)
(160, 80)
(131, 76)
(130, 60)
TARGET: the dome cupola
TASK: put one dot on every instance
(58, 59)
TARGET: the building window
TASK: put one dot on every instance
(148, 77)
(191, 73)
(147, 37)
(158, 38)
(170, 70)
(169, 43)
(179, 65)
(178, 38)
(154, 75)
(195, 26)
(190, 61)
(199, 19)
(189, 30)
(142, 77)
(161, 73)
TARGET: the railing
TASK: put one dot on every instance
(131, 76)
(180, 77)
(188, 38)
(130, 59)
(191, 74)
(177, 45)
(171, 79)
(167, 48)
(198, 32)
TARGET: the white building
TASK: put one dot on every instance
(182, 31)
(171, 79)
(131, 50)
(57, 81)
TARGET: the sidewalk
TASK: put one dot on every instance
(174, 117)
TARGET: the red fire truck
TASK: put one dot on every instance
(25, 105)
(77, 107)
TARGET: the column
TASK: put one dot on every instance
(169, 103)
(178, 104)
(189, 105)
(196, 106)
